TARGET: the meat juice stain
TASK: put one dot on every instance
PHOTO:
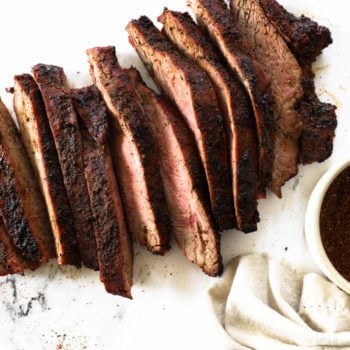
(335, 223)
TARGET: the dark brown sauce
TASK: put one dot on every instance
(335, 223)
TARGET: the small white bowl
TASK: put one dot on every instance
(312, 226)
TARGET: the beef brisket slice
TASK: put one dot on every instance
(114, 246)
(235, 107)
(191, 91)
(285, 76)
(215, 18)
(36, 135)
(305, 37)
(64, 126)
(184, 180)
(21, 204)
(135, 151)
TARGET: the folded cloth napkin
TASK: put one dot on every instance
(265, 303)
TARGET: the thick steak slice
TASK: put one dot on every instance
(215, 18)
(10, 261)
(285, 75)
(184, 180)
(136, 153)
(21, 203)
(64, 127)
(235, 107)
(305, 37)
(191, 91)
(37, 138)
(114, 246)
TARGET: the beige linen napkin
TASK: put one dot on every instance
(265, 303)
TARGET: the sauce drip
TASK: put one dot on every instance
(335, 223)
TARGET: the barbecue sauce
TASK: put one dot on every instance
(335, 223)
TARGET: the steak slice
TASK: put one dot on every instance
(21, 205)
(215, 18)
(64, 126)
(114, 246)
(305, 37)
(184, 180)
(10, 261)
(235, 107)
(136, 153)
(191, 91)
(37, 138)
(285, 75)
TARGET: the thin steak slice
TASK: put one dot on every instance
(191, 91)
(306, 39)
(285, 75)
(37, 138)
(64, 127)
(21, 204)
(136, 153)
(10, 261)
(215, 18)
(114, 246)
(235, 107)
(184, 180)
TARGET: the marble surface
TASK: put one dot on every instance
(65, 308)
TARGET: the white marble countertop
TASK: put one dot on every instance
(65, 308)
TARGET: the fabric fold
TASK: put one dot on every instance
(265, 303)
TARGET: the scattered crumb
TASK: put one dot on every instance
(285, 249)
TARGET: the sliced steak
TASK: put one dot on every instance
(21, 204)
(10, 261)
(114, 246)
(136, 153)
(184, 180)
(235, 107)
(305, 37)
(285, 75)
(64, 127)
(215, 18)
(191, 91)
(37, 138)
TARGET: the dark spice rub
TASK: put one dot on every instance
(335, 223)
(64, 126)
(37, 138)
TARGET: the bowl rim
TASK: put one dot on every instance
(312, 225)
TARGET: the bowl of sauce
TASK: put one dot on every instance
(327, 224)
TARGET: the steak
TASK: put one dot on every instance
(285, 75)
(135, 151)
(184, 180)
(37, 138)
(235, 107)
(306, 39)
(64, 127)
(191, 91)
(214, 17)
(22, 207)
(114, 246)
